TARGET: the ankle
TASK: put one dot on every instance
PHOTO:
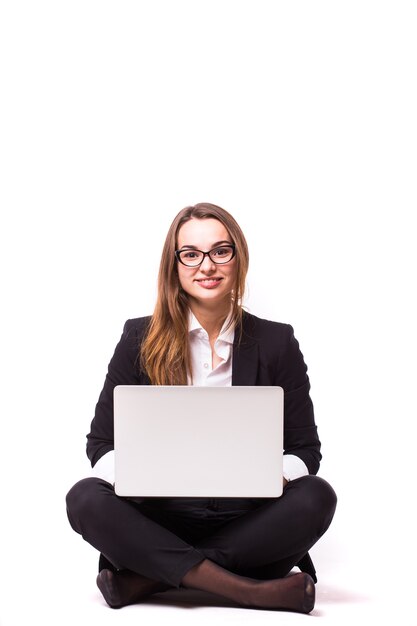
(126, 587)
(294, 593)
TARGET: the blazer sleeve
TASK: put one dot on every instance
(123, 369)
(300, 431)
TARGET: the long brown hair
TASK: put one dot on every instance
(164, 352)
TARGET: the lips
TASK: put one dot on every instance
(209, 283)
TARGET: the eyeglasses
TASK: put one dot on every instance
(194, 258)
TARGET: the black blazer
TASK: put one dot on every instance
(268, 354)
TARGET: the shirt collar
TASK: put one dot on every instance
(224, 335)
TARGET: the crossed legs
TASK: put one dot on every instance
(154, 556)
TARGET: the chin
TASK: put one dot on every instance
(212, 298)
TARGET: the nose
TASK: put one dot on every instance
(207, 265)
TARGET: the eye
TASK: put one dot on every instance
(221, 252)
(189, 254)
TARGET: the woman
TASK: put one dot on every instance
(199, 334)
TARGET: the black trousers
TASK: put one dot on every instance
(163, 538)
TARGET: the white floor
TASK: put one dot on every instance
(72, 599)
(53, 582)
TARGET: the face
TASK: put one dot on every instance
(208, 285)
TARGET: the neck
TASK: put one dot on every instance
(213, 319)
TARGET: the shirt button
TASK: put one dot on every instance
(206, 365)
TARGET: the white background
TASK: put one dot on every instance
(297, 117)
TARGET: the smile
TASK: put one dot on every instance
(208, 283)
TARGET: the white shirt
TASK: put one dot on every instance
(201, 357)
(203, 374)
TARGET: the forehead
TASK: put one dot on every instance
(202, 233)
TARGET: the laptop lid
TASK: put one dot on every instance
(186, 441)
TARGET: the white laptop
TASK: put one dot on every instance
(186, 441)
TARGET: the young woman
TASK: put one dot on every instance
(240, 548)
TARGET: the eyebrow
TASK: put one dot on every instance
(214, 245)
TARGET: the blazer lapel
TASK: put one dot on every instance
(245, 358)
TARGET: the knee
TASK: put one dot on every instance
(80, 500)
(323, 500)
(323, 492)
